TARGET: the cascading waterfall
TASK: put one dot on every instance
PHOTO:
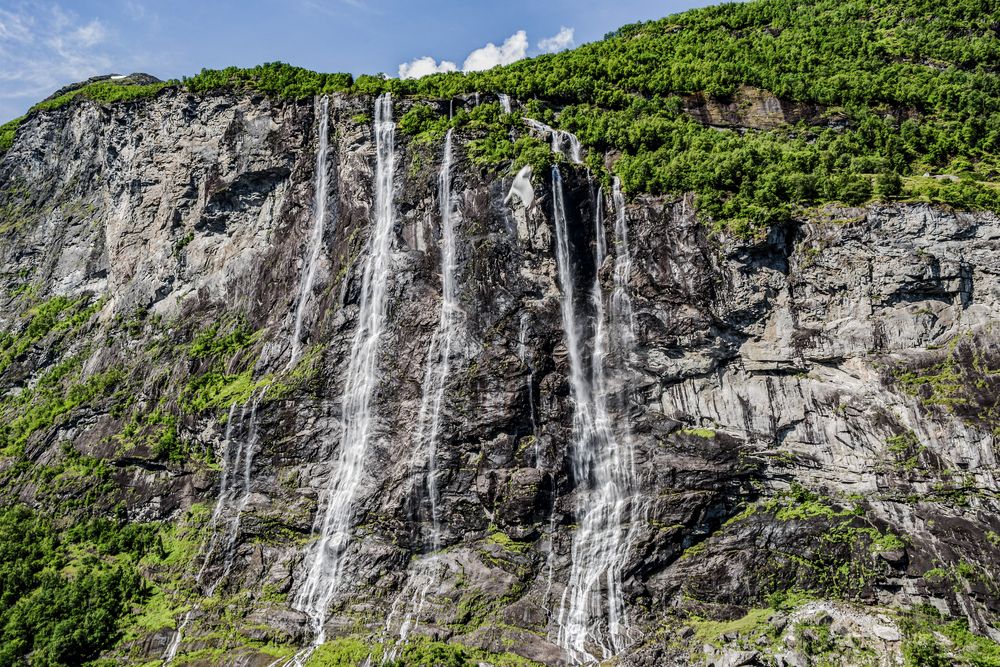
(522, 355)
(228, 464)
(435, 378)
(442, 342)
(623, 328)
(337, 502)
(560, 140)
(175, 643)
(316, 238)
(504, 102)
(622, 316)
(224, 530)
(249, 450)
(600, 348)
(239, 452)
(603, 472)
(234, 492)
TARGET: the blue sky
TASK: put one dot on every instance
(46, 44)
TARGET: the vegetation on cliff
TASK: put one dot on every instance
(106, 91)
(156, 393)
(65, 590)
(898, 90)
(895, 91)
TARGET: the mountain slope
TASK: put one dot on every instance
(799, 382)
(891, 91)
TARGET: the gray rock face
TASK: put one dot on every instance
(815, 412)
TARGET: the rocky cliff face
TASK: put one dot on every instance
(811, 418)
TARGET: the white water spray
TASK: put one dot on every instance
(522, 355)
(337, 502)
(592, 611)
(316, 238)
(521, 187)
(562, 142)
(442, 342)
(504, 102)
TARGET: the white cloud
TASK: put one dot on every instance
(89, 35)
(44, 46)
(14, 27)
(513, 49)
(561, 40)
(424, 66)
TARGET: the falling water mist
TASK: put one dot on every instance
(591, 612)
(316, 237)
(438, 364)
(333, 521)
(438, 368)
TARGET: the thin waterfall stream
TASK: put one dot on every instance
(438, 369)
(234, 491)
(523, 356)
(315, 246)
(441, 345)
(333, 520)
(622, 316)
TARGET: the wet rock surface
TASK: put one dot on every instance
(814, 412)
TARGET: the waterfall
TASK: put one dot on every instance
(427, 572)
(522, 355)
(621, 302)
(623, 327)
(175, 643)
(602, 471)
(600, 349)
(521, 187)
(441, 344)
(334, 518)
(238, 455)
(560, 140)
(234, 492)
(249, 450)
(228, 464)
(504, 102)
(316, 238)
(438, 367)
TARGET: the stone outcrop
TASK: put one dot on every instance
(812, 414)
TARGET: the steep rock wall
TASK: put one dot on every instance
(814, 412)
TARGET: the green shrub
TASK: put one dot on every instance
(102, 91)
(278, 79)
(7, 132)
(64, 594)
